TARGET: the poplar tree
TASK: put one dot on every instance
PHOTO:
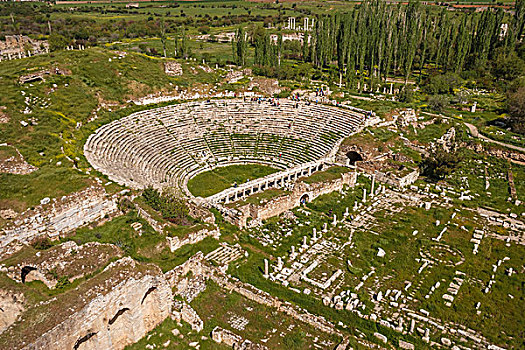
(239, 46)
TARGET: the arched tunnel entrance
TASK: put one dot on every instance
(25, 271)
(305, 198)
(354, 157)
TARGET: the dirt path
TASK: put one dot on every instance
(475, 133)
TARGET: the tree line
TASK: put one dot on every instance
(376, 40)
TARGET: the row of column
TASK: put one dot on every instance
(307, 26)
(268, 183)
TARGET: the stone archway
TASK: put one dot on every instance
(25, 271)
(354, 157)
(305, 198)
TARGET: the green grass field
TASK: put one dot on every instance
(217, 180)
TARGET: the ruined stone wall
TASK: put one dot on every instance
(192, 318)
(261, 297)
(192, 238)
(64, 260)
(495, 151)
(158, 227)
(392, 180)
(114, 320)
(193, 264)
(281, 204)
(19, 46)
(224, 336)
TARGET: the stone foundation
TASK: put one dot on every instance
(224, 336)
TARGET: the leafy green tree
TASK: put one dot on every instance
(438, 102)
(436, 167)
(516, 108)
(508, 66)
(442, 83)
(57, 42)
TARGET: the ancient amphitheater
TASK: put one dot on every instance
(165, 147)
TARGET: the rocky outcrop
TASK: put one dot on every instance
(110, 311)
(57, 217)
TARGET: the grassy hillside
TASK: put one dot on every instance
(63, 109)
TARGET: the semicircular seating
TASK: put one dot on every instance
(166, 146)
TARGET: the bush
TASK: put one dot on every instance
(442, 84)
(42, 243)
(57, 42)
(438, 102)
(406, 95)
(204, 29)
(439, 165)
(172, 208)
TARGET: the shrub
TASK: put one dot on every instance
(42, 243)
(438, 102)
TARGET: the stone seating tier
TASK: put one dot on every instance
(168, 145)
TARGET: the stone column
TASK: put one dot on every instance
(346, 212)
(293, 250)
(325, 227)
(364, 195)
(305, 24)
(473, 108)
(315, 234)
(334, 222)
(279, 263)
(373, 185)
(391, 88)
(265, 268)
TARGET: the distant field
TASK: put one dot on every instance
(217, 180)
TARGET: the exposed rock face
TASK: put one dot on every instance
(58, 217)
(110, 311)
